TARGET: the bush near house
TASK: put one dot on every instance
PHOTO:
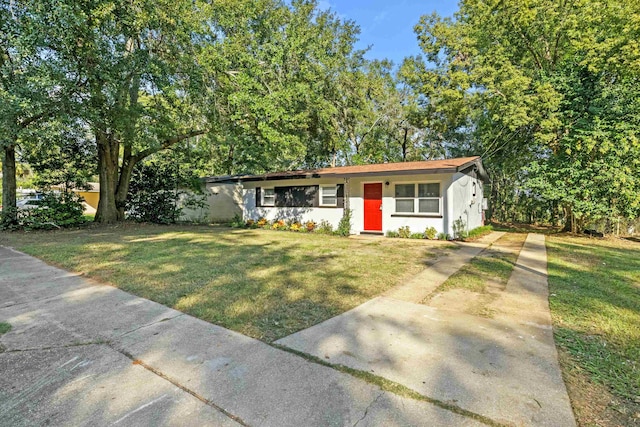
(52, 211)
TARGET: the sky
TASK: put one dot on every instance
(387, 25)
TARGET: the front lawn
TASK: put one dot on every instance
(594, 289)
(265, 284)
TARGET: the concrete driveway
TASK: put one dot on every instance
(81, 353)
(504, 368)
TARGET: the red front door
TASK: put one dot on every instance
(373, 207)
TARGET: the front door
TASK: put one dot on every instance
(373, 207)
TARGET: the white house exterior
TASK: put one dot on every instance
(382, 197)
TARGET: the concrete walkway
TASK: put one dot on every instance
(81, 353)
(504, 368)
(430, 278)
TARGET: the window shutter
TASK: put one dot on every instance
(340, 195)
(316, 196)
(258, 197)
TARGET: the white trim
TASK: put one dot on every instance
(321, 195)
(416, 199)
(262, 202)
(362, 184)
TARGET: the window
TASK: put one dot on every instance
(328, 196)
(268, 197)
(418, 198)
(405, 198)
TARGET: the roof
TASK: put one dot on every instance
(401, 168)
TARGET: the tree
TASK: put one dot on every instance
(26, 95)
(539, 83)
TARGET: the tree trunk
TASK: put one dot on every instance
(9, 184)
(107, 212)
(128, 163)
(568, 218)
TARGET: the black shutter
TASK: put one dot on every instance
(258, 197)
(316, 196)
(340, 195)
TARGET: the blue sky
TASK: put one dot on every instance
(388, 24)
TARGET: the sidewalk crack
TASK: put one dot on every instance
(150, 324)
(55, 347)
(366, 411)
(157, 372)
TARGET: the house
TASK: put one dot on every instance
(382, 197)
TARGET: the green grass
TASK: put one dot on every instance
(4, 328)
(478, 232)
(488, 266)
(595, 305)
(265, 284)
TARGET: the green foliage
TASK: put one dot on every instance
(539, 90)
(404, 232)
(59, 154)
(417, 236)
(430, 233)
(4, 327)
(460, 229)
(238, 222)
(443, 236)
(53, 211)
(324, 227)
(344, 226)
(160, 188)
(392, 233)
(480, 231)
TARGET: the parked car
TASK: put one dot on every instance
(31, 201)
(28, 203)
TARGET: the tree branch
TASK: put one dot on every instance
(167, 144)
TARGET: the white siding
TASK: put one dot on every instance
(303, 214)
(455, 192)
(223, 202)
(390, 220)
(465, 206)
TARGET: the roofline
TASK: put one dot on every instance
(315, 174)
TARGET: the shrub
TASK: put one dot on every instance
(459, 229)
(324, 227)
(236, 221)
(444, 236)
(159, 189)
(296, 226)
(392, 233)
(53, 211)
(251, 223)
(404, 232)
(416, 236)
(262, 222)
(344, 226)
(310, 226)
(430, 233)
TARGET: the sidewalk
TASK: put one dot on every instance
(430, 278)
(504, 368)
(82, 353)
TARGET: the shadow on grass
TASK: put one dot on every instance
(264, 284)
(596, 306)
